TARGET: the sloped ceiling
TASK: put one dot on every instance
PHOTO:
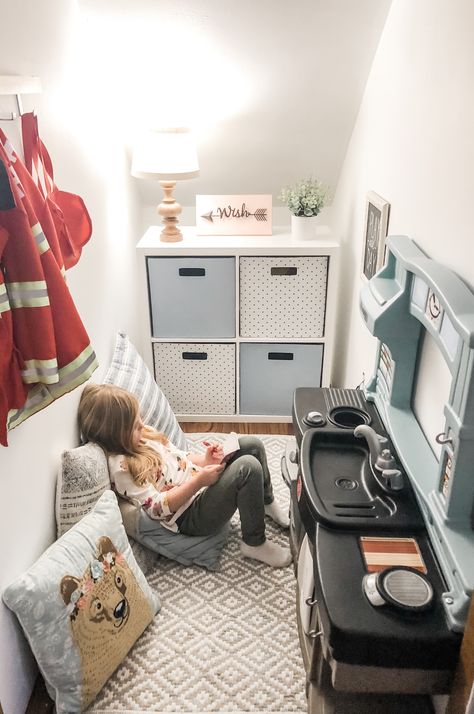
(274, 86)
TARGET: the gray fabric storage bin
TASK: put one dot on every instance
(197, 378)
(269, 374)
(192, 297)
(283, 296)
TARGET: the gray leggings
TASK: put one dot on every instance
(245, 485)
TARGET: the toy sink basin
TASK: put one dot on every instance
(342, 490)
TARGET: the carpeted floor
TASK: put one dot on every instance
(224, 641)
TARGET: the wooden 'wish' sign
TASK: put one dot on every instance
(234, 215)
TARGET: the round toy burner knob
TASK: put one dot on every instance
(401, 587)
(369, 585)
(314, 419)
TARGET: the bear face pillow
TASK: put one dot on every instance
(107, 612)
(83, 605)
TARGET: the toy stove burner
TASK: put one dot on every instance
(400, 586)
(348, 417)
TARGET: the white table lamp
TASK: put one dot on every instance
(167, 155)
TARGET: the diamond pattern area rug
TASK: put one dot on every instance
(224, 641)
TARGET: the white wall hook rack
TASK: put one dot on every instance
(18, 85)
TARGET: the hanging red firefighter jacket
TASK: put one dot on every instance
(45, 349)
(68, 211)
(41, 208)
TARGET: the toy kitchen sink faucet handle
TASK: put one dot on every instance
(381, 458)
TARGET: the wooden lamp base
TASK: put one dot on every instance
(169, 209)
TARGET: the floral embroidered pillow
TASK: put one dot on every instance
(83, 605)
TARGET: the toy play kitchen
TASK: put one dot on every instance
(382, 493)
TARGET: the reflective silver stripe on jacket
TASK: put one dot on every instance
(28, 294)
(4, 301)
(40, 370)
(40, 238)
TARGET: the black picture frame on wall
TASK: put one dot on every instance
(375, 231)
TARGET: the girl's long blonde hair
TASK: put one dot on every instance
(107, 416)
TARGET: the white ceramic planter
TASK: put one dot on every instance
(303, 227)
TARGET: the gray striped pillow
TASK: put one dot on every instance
(129, 371)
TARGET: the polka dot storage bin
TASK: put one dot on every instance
(197, 378)
(283, 296)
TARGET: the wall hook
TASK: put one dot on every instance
(18, 85)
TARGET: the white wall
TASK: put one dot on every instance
(412, 144)
(38, 38)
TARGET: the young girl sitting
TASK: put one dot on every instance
(191, 493)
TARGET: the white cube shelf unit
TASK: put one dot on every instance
(233, 324)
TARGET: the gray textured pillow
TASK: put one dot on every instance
(129, 371)
(82, 479)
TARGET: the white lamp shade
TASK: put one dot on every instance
(166, 154)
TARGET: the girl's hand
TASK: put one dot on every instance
(210, 474)
(214, 453)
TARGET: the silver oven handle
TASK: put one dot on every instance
(284, 471)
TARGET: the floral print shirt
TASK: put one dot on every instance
(176, 469)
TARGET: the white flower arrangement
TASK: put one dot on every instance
(305, 197)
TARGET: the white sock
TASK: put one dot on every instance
(278, 514)
(269, 553)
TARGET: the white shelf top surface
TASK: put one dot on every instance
(281, 239)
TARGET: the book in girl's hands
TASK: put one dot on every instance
(230, 445)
